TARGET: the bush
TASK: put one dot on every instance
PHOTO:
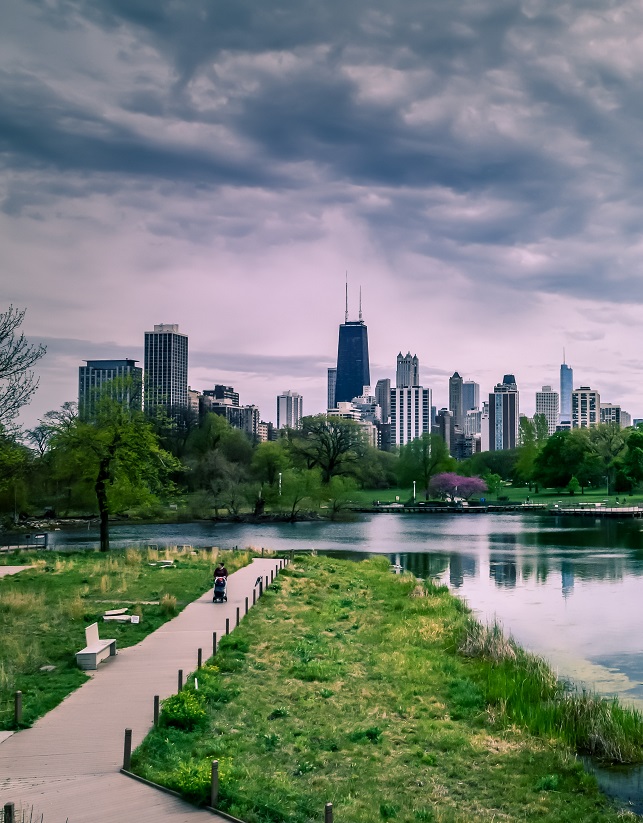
(184, 710)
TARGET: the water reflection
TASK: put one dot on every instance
(566, 588)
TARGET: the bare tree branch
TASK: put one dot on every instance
(17, 356)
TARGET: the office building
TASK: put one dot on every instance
(472, 422)
(245, 418)
(383, 398)
(445, 427)
(353, 371)
(410, 414)
(332, 382)
(586, 408)
(610, 413)
(470, 395)
(547, 404)
(166, 368)
(484, 427)
(408, 371)
(626, 419)
(289, 410)
(504, 415)
(120, 379)
(456, 405)
(566, 386)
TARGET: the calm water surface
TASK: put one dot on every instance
(570, 589)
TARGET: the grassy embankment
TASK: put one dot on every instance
(351, 685)
(44, 612)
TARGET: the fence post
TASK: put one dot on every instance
(199, 658)
(127, 750)
(180, 680)
(227, 625)
(214, 784)
(214, 643)
(17, 709)
(237, 615)
(246, 605)
(254, 597)
(328, 813)
(8, 813)
(156, 709)
(266, 581)
(260, 587)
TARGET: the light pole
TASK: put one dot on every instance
(414, 491)
(279, 484)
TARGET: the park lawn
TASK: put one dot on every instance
(44, 611)
(344, 685)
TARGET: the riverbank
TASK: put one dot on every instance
(345, 685)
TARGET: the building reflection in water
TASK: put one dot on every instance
(503, 571)
(567, 574)
(461, 566)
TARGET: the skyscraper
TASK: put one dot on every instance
(289, 410)
(383, 397)
(353, 372)
(410, 414)
(504, 415)
(547, 404)
(99, 375)
(586, 408)
(566, 387)
(470, 395)
(456, 405)
(408, 371)
(166, 368)
(332, 382)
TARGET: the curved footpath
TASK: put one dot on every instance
(67, 765)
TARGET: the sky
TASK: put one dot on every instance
(475, 167)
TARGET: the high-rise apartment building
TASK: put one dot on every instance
(470, 395)
(586, 408)
(410, 414)
(166, 368)
(504, 415)
(222, 394)
(408, 371)
(566, 387)
(332, 382)
(383, 397)
(456, 404)
(353, 371)
(610, 413)
(289, 410)
(122, 380)
(547, 404)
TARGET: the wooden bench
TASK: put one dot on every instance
(95, 650)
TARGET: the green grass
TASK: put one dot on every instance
(345, 684)
(44, 611)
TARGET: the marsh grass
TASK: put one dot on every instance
(361, 698)
(44, 611)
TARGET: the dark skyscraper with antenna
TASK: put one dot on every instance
(353, 371)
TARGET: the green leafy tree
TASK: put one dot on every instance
(632, 465)
(494, 483)
(115, 450)
(339, 494)
(421, 459)
(332, 445)
(299, 488)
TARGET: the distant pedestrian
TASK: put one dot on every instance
(220, 571)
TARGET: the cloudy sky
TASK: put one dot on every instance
(475, 166)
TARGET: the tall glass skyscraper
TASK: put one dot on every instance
(566, 389)
(353, 372)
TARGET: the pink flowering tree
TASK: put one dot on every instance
(449, 485)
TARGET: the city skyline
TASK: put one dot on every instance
(473, 167)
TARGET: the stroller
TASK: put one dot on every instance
(220, 590)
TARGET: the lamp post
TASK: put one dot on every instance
(279, 484)
(414, 491)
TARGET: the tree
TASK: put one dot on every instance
(268, 461)
(450, 485)
(17, 356)
(329, 443)
(421, 459)
(116, 449)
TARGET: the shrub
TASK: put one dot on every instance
(168, 604)
(184, 710)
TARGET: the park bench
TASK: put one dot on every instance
(95, 650)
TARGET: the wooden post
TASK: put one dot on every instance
(237, 615)
(9, 809)
(17, 709)
(180, 680)
(266, 581)
(214, 643)
(254, 597)
(199, 658)
(214, 784)
(272, 575)
(246, 605)
(260, 587)
(127, 750)
(328, 813)
(227, 625)
(262, 551)
(156, 709)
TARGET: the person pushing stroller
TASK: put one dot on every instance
(220, 584)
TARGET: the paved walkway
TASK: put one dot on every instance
(67, 765)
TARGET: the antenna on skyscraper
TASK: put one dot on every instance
(563, 355)
(346, 313)
(360, 304)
